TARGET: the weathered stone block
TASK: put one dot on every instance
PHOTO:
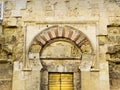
(12, 22)
(114, 76)
(6, 76)
(118, 39)
(111, 39)
(6, 85)
(20, 4)
(16, 13)
(35, 48)
(113, 30)
(102, 39)
(2, 39)
(114, 49)
(6, 71)
(111, 49)
(9, 5)
(114, 19)
(94, 80)
(85, 75)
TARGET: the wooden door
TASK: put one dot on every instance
(60, 81)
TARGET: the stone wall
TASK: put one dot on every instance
(114, 56)
(6, 72)
(114, 76)
(99, 20)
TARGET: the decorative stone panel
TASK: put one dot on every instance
(114, 76)
(114, 56)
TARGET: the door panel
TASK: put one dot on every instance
(66, 82)
(60, 81)
(54, 81)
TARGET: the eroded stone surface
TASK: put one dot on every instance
(6, 72)
(114, 76)
(25, 19)
(114, 58)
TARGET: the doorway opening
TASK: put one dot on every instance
(61, 49)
